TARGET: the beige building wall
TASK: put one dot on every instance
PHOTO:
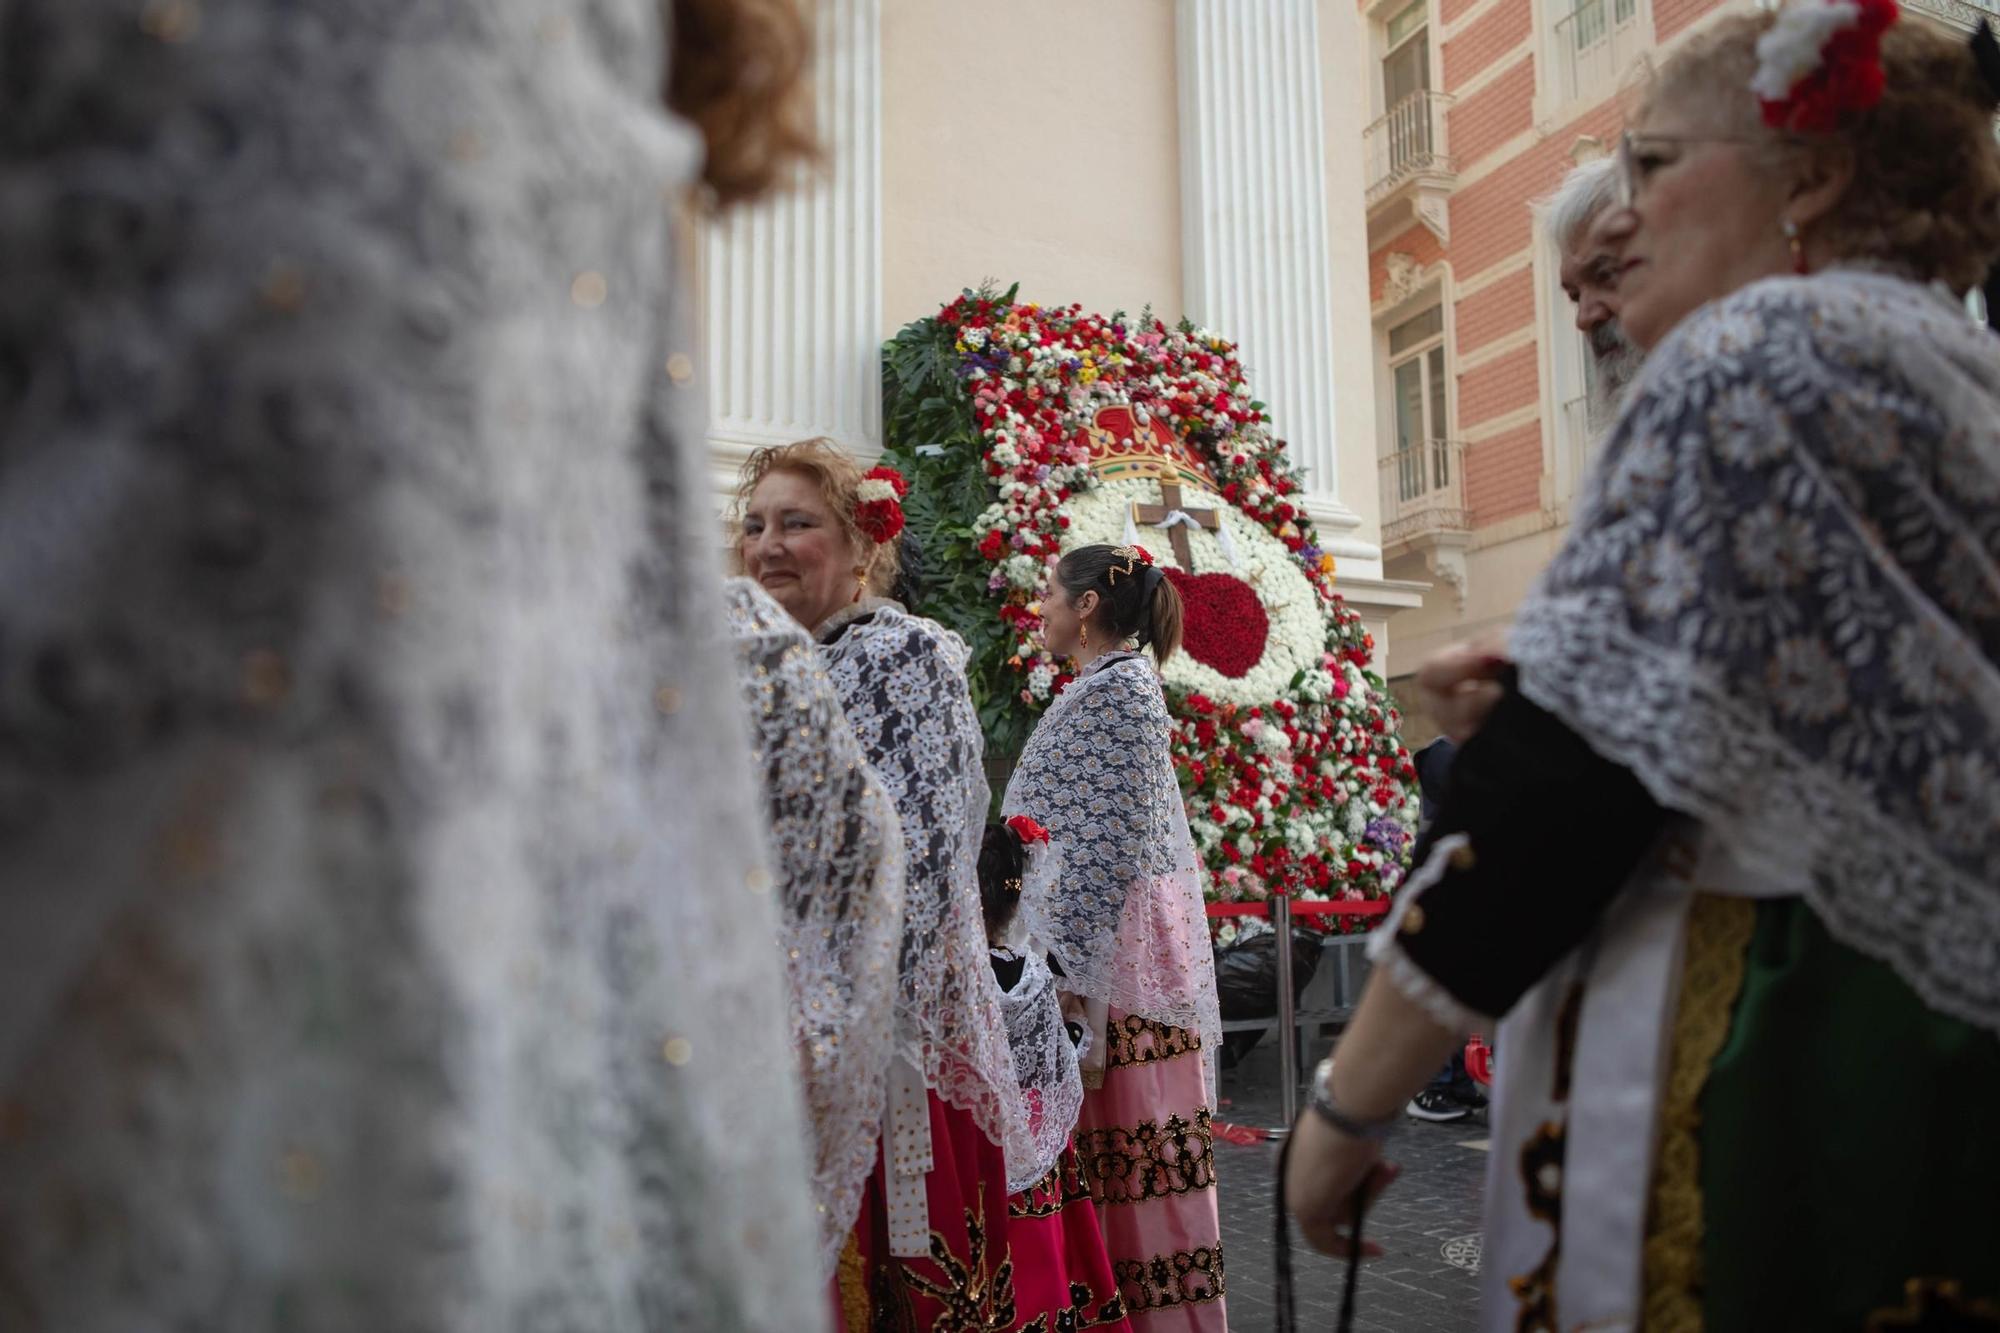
(1036, 141)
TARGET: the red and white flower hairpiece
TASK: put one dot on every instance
(1819, 60)
(1027, 830)
(878, 504)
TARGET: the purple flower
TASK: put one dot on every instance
(1388, 834)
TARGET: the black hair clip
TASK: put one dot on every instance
(1986, 54)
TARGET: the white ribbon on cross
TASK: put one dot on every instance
(1187, 520)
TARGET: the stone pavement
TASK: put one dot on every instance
(1428, 1222)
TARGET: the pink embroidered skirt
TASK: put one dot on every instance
(1147, 1144)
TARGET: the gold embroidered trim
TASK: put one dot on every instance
(1185, 1277)
(972, 1297)
(1718, 935)
(852, 1283)
(1935, 1302)
(1061, 1187)
(1133, 1040)
(1150, 1160)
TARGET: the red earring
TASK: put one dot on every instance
(1798, 248)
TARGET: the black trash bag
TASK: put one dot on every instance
(1246, 982)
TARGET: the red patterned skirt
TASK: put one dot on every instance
(1062, 1275)
(1147, 1144)
(966, 1283)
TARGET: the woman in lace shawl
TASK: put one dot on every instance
(836, 851)
(929, 1246)
(1062, 1274)
(1753, 1027)
(1122, 920)
(380, 868)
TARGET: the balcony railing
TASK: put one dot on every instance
(1406, 142)
(1423, 492)
(1594, 45)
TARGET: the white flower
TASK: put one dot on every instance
(873, 489)
(1790, 49)
(1041, 679)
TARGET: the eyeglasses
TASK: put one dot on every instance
(1639, 157)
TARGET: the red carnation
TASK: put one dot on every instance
(993, 545)
(1027, 830)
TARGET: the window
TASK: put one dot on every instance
(1594, 41)
(1417, 375)
(1406, 79)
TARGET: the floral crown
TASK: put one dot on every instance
(878, 504)
(1819, 60)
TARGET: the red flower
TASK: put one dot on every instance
(1027, 830)
(993, 545)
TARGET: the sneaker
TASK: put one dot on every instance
(1467, 1094)
(1436, 1106)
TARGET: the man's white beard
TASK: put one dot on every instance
(1617, 363)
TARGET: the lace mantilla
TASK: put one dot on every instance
(1780, 608)
(837, 853)
(1045, 1064)
(1122, 913)
(383, 942)
(901, 679)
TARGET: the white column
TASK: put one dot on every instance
(1254, 224)
(792, 289)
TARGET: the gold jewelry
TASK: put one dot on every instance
(1082, 637)
(1012, 886)
(1131, 557)
(861, 584)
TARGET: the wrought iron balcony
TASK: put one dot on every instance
(1423, 495)
(1407, 144)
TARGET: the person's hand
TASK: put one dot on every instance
(1322, 1173)
(1460, 685)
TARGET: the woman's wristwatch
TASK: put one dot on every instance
(1321, 1101)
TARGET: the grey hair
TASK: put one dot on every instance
(1588, 189)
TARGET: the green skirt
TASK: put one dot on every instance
(1849, 1148)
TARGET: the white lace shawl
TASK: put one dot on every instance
(385, 940)
(902, 681)
(1045, 1063)
(1780, 608)
(837, 853)
(1122, 914)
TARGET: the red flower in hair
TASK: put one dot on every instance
(1844, 74)
(878, 507)
(1027, 830)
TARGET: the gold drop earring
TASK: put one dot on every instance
(1082, 637)
(860, 584)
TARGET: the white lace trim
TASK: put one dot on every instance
(1385, 949)
(1778, 605)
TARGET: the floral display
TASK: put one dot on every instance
(1026, 431)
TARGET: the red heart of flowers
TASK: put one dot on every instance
(1223, 625)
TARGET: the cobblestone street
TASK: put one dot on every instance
(1428, 1222)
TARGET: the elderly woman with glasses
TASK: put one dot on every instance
(1750, 969)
